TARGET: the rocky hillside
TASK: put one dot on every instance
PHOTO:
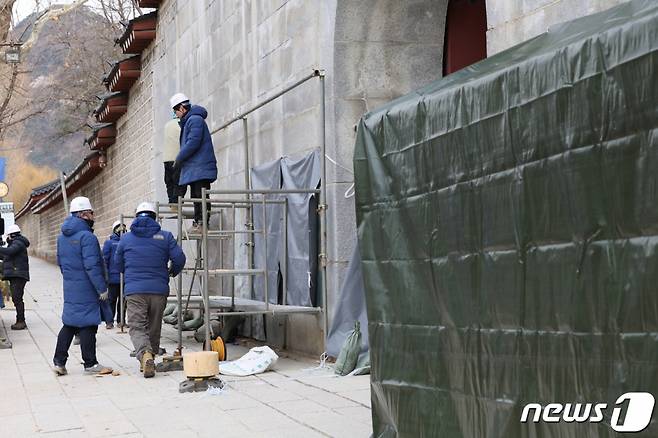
(61, 75)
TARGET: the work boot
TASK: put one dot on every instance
(20, 325)
(98, 369)
(109, 326)
(148, 364)
(60, 370)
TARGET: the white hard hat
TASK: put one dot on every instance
(13, 229)
(80, 204)
(116, 224)
(177, 99)
(145, 207)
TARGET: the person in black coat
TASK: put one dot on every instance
(16, 269)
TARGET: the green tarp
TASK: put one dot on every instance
(508, 227)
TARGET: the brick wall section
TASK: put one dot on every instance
(125, 182)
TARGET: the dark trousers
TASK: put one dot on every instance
(17, 287)
(171, 177)
(115, 302)
(145, 316)
(195, 190)
(87, 344)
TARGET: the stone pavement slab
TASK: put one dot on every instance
(295, 399)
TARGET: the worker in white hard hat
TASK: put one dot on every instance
(170, 149)
(85, 287)
(113, 274)
(16, 270)
(147, 256)
(196, 158)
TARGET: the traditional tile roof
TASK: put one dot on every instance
(149, 3)
(123, 74)
(112, 106)
(103, 136)
(44, 197)
(139, 33)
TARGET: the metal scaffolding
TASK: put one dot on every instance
(245, 199)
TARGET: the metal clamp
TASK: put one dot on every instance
(322, 208)
(323, 259)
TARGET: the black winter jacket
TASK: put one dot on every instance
(15, 261)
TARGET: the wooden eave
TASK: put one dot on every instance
(112, 107)
(85, 172)
(123, 75)
(149, 3)
(139, 33)
(102, 137)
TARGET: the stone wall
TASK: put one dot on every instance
(511, 22)
(229, 55)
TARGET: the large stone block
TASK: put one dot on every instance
(390, 20)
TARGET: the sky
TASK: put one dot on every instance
(23, 8)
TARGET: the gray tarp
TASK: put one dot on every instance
(301, 174)
(350, 306)
(287, 174)
(267, 176)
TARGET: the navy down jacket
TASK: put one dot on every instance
(143, 255)
(15, 260)
(196, 157)
(80, 260)
(109, 248)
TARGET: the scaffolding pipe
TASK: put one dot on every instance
(322, 209)
(204, 261)
(267, 296)
(249, 213)
(284, 274)
(239, 203)
(314, 74)
(264, 192)
(122, 321)
(179, 289)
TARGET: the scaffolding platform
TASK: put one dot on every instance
(243, 306)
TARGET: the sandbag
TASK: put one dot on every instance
(349, 354)
(169, 309)
(256, 361)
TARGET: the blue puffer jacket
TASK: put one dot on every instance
(109, 248)
(197, 156)
(143, 254)
(80, 260)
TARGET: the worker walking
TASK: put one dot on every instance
(81, 263)
(113, 274)
(170, 149)
(143, 255)
(16, 270)
(196, 158)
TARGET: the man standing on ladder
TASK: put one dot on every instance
(196, 159)
(170, 149)
(143, 255)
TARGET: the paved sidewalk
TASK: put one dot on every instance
(293, 400)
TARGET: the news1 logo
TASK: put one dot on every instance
(638, 412)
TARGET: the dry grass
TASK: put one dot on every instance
(22, 176)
